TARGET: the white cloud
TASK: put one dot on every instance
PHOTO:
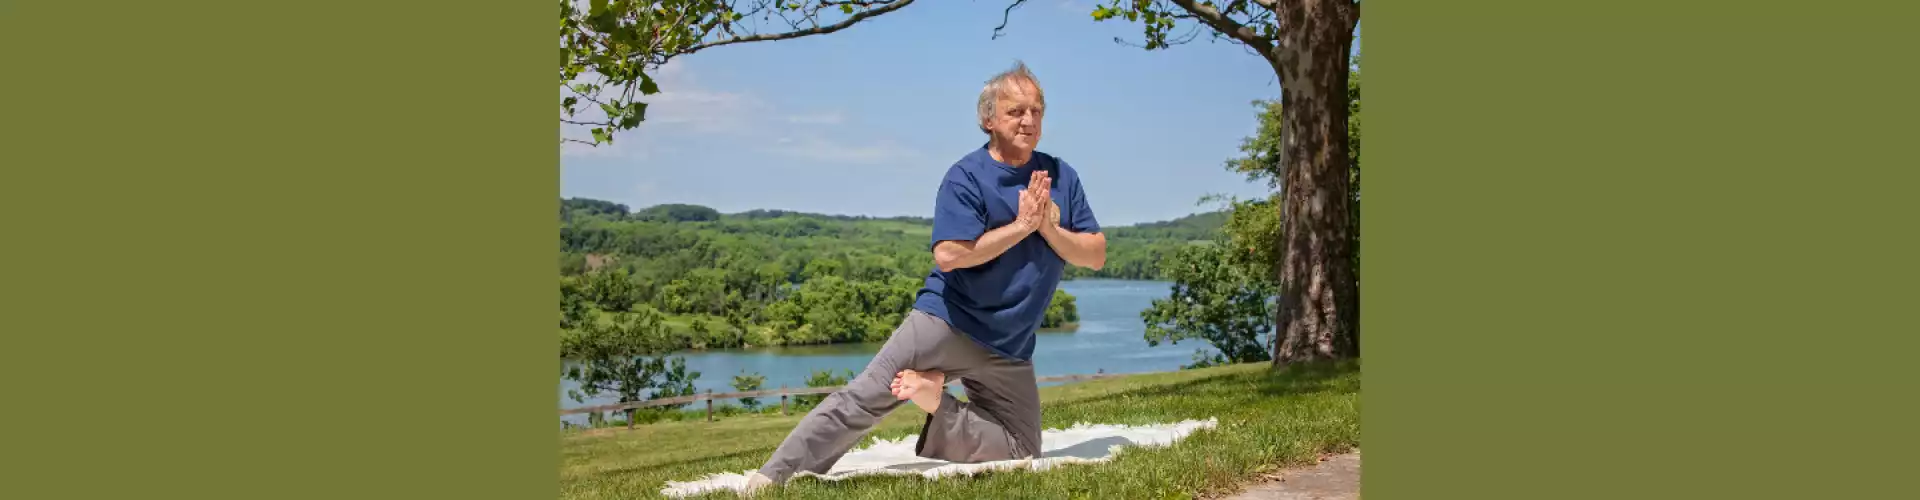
(687, 106)
(815, 148)
(828, 118)
(703, 111)
(684, 107)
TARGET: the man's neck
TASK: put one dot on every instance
(1008, 155)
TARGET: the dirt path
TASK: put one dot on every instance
(1336, 478)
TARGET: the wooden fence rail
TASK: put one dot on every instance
(783, 392)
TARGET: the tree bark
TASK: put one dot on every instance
(1319, 295)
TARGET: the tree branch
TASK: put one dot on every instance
(590, 98)
(1003, 18)
(1192, 33)
(1220, 22)
(844, 24)
(812, 16)
(708, 30)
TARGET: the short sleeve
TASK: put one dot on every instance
(1082, 220)
(958, 211)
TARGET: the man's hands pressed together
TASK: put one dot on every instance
(1084, 250)
(1035, 203)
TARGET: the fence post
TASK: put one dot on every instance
(783, 400)
(709, 405)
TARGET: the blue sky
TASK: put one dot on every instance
(866, 120)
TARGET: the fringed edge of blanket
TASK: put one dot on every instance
(736, 481)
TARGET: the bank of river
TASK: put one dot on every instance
(1109, 337)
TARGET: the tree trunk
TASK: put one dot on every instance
(1319, 295)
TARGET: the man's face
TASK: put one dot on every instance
(1016, 117)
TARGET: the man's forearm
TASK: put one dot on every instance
(951, 255)
(1084, 250)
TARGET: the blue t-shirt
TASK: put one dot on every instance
(1001, 302)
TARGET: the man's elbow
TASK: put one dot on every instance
(1098, 257)
(1094, 259)
(946, 261)
(951, 255)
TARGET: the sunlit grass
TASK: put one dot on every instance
(1267, 418)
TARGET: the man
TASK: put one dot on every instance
(1003, 233)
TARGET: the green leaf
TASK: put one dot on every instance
(569, 103)
(601, 135)
(634, 114)
(846, 9)
(598, 6)
(564, 56)
(647, 87)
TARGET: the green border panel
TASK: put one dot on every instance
(1638, 250)
(279, 250)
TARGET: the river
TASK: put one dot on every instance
(1109, 337)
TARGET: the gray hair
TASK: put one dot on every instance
(990, 94)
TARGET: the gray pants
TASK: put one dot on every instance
(1000, 420)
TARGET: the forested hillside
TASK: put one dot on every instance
(771, 277)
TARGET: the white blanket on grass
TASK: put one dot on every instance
(1080, 444)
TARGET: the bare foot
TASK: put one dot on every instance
(923, 387)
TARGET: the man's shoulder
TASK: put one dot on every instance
(968, 161)
(960, 171)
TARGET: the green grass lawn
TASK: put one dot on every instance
(1268, 418)
(683, 323)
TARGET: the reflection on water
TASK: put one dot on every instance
(1109, 337)
(798, 350)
